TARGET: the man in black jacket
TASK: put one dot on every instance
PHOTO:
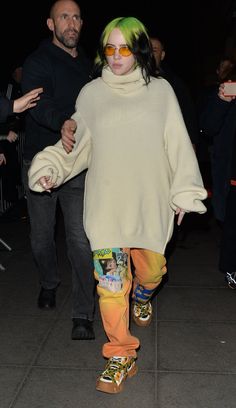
(180, 88)
(62, 69)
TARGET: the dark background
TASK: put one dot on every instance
(195, 32)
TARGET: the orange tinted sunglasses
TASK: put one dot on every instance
(110, 50)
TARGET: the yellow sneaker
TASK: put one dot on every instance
(116, 371)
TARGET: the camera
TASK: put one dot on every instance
(230, 88)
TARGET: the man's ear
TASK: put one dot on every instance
(163, 54)
(50, 24)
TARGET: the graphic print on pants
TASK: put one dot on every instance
(111, 265)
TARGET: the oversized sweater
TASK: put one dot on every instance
(140, 160)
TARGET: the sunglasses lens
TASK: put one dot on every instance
(125, 51)
(109, 51)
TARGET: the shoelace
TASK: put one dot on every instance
(143, 309)
(114, 368)
(231, 277)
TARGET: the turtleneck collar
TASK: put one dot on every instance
(123, 83)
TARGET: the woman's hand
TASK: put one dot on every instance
(180, 214)
(67, 134)
(46, 183)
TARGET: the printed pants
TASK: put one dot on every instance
(115, 280)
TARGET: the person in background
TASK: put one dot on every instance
(181, 90)
(27, 101)
(189, 112)
(218, 121)
(62, 68)
(206, 92)
(136, 182)
(9, 107)
(10, 131)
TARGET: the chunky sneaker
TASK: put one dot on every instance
(116, 371)
(231, 279)
(141, 313)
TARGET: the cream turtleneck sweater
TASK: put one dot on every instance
(141, 164)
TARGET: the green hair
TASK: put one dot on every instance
(136, 37)
(130, 27)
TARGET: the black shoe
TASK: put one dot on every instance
(47, 299)
(82, 329)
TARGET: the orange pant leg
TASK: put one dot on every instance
(113, 273)
(149, 269)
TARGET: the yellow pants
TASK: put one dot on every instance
(115, 280)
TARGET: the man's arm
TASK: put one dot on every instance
(38, 72)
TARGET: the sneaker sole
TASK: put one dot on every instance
(142, 323)
(112, 388)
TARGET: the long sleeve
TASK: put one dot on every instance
(214, 114)
(54, 162)
(187, 191)
(6, 108)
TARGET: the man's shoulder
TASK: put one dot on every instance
(41, 53)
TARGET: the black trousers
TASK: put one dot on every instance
(42, 214)
(227, 260)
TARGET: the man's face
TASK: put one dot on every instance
(158, 51)
(65, 24)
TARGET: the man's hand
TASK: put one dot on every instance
(67, 134)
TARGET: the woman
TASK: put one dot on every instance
(141, 171)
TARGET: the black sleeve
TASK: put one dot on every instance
(39, 73)
(213, 115)
(6, 108)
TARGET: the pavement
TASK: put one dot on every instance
(187, 357)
